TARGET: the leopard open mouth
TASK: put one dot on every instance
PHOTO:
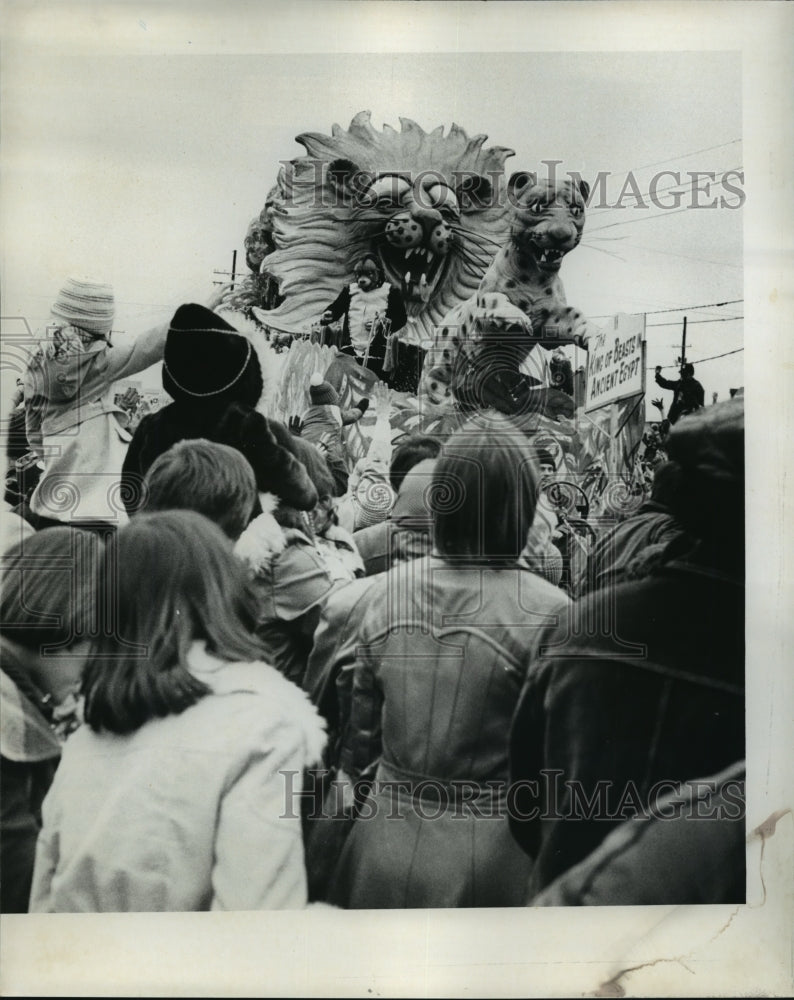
(416, 271)
(548, 258)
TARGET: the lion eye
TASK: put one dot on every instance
(443, 198)
(387, 203)
(536, 207)
(576, 211)
(388, 191)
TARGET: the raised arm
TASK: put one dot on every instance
(665, 383)
(129, 358)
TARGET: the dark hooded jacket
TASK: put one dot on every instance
(228, 417)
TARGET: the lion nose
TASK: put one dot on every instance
(435, 231)
(421, 227)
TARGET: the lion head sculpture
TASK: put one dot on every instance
(431, 206)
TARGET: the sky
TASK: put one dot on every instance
(143, 163)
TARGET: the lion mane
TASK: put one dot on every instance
(430, 205)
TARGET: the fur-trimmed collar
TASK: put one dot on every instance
(264, 537)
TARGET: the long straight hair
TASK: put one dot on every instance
(167, 580)
(484, 492)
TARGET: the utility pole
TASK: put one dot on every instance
(683, 345)
(233, 272)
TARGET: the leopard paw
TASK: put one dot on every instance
(565, 325)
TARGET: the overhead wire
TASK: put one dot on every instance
(718, 181)
(683, 256)
(698, 361)
(697, 322)
(684, 156)
(658, 312)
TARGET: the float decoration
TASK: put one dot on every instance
(431, 207)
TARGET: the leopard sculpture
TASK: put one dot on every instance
(483, 353)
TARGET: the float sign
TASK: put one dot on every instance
(616, 361)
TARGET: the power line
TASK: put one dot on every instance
(684, 186)
(673, 309)
(657, 215)
(683, 256)
(644, 218)
(708, 305)
(697, 322)
(700, 361)
(684, 156)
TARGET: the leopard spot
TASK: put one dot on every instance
(510, 283)
(445, 332)
(547, 291)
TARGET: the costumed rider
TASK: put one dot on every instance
(372, 311)
(688, 394)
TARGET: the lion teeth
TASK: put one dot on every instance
(420, 252)
(408, 277)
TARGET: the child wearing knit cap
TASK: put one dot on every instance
(322, 425)
(72, 421)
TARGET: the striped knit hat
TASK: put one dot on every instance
(88, 305)
(321, 392)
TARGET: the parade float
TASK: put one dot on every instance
(476, 255)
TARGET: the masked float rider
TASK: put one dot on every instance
(363, 305)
